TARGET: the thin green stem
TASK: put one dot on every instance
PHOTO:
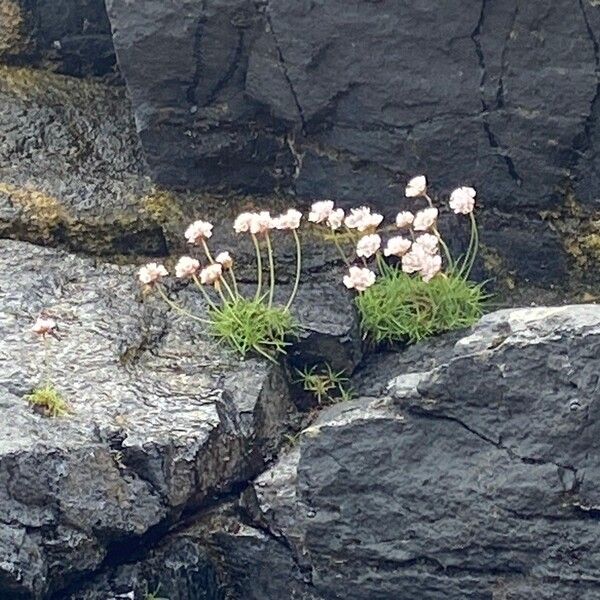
(263, 353)
(341, 250)
(205, 293)
(429, 200)
(467, 255)
(211, 260)
(234, 283)
(475, 248)
(178, 308)
(444, 248)
(258, 268)
(380, 262)
(271, 269)
(298, 269)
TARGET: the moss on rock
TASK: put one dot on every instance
(12, 36)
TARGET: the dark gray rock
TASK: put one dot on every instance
(476, 477)
(331, 99)
(66, 36)
(163, 420)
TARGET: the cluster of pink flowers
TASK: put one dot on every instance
(261, 222)
(417, 242)
(417, 247)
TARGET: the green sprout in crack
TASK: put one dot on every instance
(154, 595)
(46, 398)
(253, 324)
(326, 385)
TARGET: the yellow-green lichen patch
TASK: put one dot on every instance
(46, 88)
(11, 28)
(579, 231)
(40, 213)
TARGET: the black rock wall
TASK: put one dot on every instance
(347, 99)
(72, 37)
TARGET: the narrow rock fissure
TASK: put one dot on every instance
(418, 412)
(485, 109)
(284, 68)
(230, 72)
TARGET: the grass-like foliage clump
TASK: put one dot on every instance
(49, 402)
(325, 384)
(250, 325)
(408, 284)
(400, 307)
(247, 324)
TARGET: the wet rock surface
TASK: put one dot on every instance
(476, 477)
(472, 474)
(162, 419)
(66, 36)
(370, 94)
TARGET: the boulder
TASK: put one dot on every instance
(162, 421)
(476, 476)
(321, 99)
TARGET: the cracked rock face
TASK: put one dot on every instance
(162, 419)
(477, 477)
(329, 100)
(341, 101)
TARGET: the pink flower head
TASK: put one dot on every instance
(415, 260)
(225, 260)
(431, 266)
(425, 219)
(288, 220)
(430, 243)
(359, 278)
(151, 273)
(397, 246)
(417, 186)
(198, 231)
(320, 211)
(362, 219)
(211, 274)
(335, 219)
(242, 222)
(418, 260)
(462, 200)
(260, 222)
(186, 267)
(44, 326)
(404, 219)
(368, 245)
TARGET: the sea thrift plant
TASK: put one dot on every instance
(248, 324)
(407, 282)
(46, 398)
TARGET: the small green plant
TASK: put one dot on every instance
(46, 398)
(251, 325)
(400, 307)
(324, 384)
(416, 288)
(49, 401)
(254, 324)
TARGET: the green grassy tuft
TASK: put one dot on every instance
(325, 385)
(252, 326)
(49, 401)
(403, 308)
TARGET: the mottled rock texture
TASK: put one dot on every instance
(163, 419)
(66, 36)
(345, 100)
(473, 474)
(475, 478)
